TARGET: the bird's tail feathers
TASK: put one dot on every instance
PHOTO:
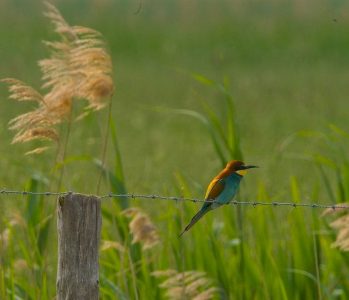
(196, 218)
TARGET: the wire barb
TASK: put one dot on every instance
(176, 199)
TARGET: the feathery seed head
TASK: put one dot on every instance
(142, 228)
(61, 26)
(341, 224)
(35, 134)
(186, 285)
(106, 245)
(79, 67)
(79, 63)
(22, 92)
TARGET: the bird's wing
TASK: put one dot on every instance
(214, 189)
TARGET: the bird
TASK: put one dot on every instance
(221, 189)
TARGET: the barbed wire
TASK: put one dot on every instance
(179, 199)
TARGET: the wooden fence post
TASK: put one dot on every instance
(79, 226)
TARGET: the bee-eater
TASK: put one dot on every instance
(221, 189)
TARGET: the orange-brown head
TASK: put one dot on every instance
(238, 167)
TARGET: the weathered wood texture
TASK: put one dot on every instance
(79, 226)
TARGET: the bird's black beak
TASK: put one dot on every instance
(248, 167)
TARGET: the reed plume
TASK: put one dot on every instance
(341, 224)
(106, 245)
(191, 285)
(142, 228)
(36, 124)
(79, 67)
(79, 64)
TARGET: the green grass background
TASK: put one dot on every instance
(287, 65)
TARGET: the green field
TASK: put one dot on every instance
(285, 67)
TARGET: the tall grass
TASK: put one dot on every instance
(277, 253)
(287, 252)
(28, 247)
